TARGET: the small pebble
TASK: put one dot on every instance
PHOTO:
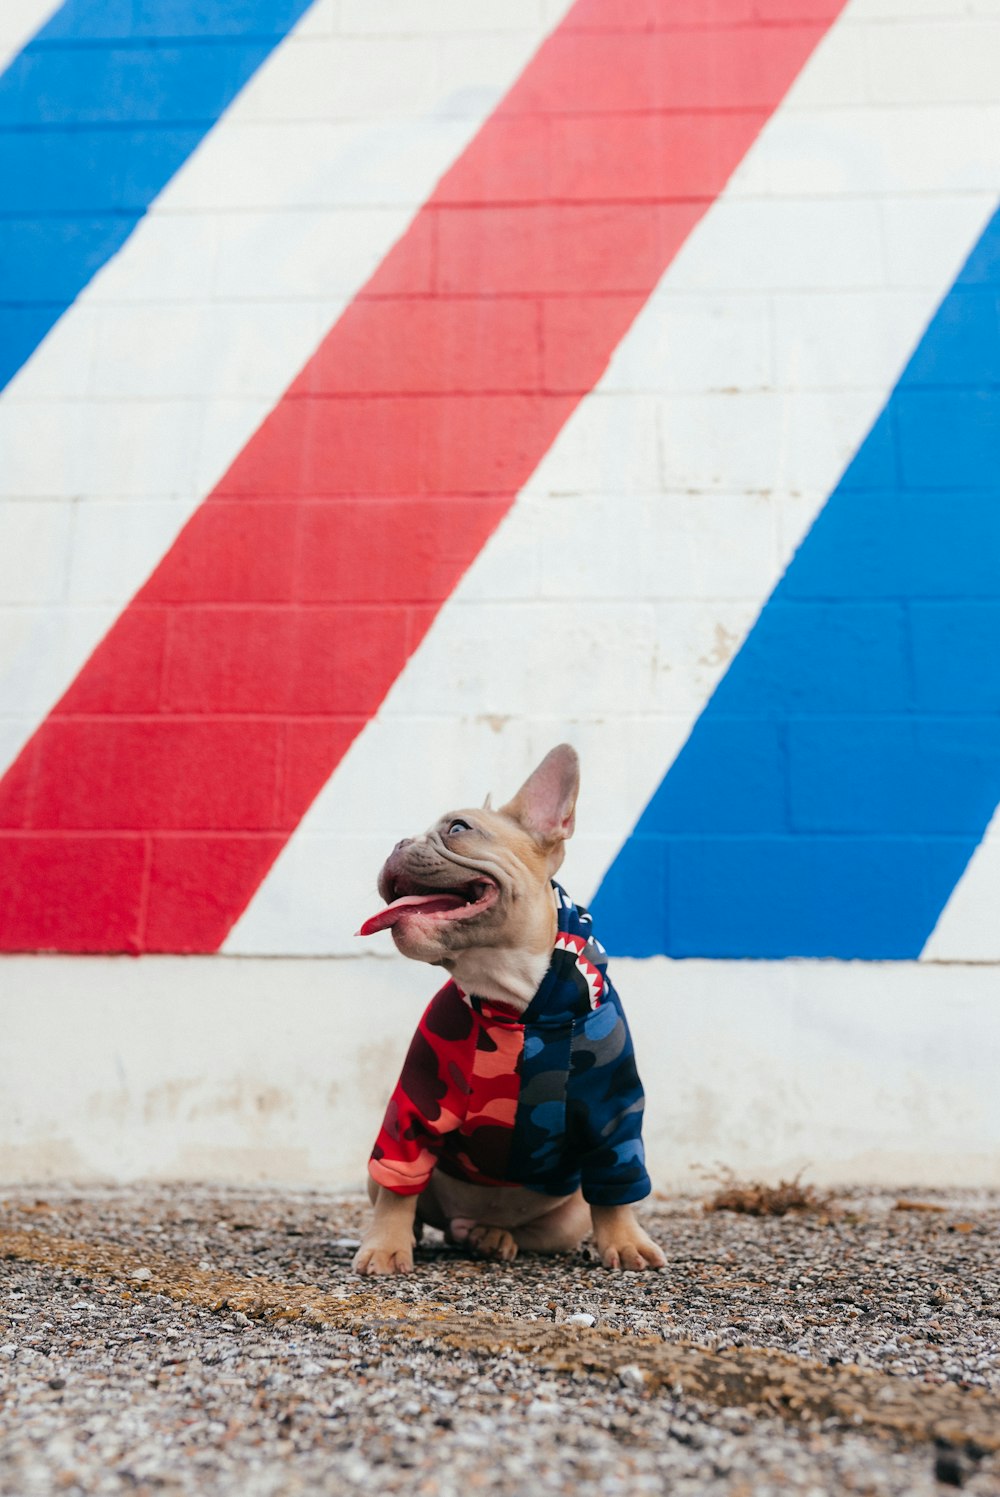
(948, 1468)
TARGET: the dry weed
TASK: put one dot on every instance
(753, 1198)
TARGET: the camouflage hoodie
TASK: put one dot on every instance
(548, 1098)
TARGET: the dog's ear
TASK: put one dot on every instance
(545, 805)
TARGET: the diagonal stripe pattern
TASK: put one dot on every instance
(848, 764)
(147, 808)
(97, 113)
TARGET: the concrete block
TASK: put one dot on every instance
(285, 661)
(760, 441)
(788, 245)
(823, 656)
(877, 148)
(609, 444)
(718, 793)
(694, 644)
(94, 774)
(41, 650)
(968, 930)
(965, 349)
(948, 438)
(88, 888)
(948, 62)
(853, 340)
(953, 642)
(445, 17)
(911, 778)
(19, 21)
(927, 238)
(199, 349)
(35, 555)
(691, 343)
(841, 888)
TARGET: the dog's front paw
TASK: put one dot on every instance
(637, 1253)
(621, 1241)
(379, 1256)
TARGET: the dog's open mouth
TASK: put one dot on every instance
(458, 903)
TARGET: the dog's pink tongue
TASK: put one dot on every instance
(428, 904)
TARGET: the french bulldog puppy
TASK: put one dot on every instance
(517, 1119)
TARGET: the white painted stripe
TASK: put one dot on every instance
(19, 20)
(141, 396)
(610, 602)
(968, 929)
(927, 10)
(400, 17)
(195, 1068)
(874, 149)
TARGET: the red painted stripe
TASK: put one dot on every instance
(147, 809)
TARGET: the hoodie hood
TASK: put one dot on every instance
(575, 980)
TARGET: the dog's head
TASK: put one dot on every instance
(480, 878)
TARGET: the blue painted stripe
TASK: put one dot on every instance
(841, 776)
(97, 113)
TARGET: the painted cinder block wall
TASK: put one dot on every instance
(392, 389)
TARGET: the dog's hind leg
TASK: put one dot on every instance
(560, 1230)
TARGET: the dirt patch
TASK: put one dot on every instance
(756, 1379)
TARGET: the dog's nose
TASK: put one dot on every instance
(404, 843)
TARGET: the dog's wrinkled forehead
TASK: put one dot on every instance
(469, 831)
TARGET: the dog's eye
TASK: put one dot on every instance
(458, 826)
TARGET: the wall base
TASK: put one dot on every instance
(253, 1070)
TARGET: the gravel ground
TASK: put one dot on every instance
(126, 1366)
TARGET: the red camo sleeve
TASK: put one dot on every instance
(431, 1097)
